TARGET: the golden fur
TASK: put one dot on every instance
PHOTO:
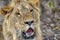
(18, 12)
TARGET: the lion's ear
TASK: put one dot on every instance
(34, 2)
(4, 10)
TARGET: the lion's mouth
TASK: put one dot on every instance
(30, 32)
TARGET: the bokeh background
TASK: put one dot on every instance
(50, 19)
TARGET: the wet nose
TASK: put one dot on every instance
(29, 22)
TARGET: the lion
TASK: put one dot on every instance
(21, 20)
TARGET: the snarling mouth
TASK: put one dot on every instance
(29, 34)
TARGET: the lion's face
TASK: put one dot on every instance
(24, 17)
(26, 20)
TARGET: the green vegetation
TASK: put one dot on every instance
(51, 5)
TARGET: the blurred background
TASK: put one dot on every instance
(50, 19)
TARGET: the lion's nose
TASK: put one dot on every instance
(29, 22)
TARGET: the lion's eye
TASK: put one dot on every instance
(18, 14)
(31, 10)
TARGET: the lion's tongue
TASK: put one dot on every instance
(30, 31)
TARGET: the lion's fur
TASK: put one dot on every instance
(15, 14)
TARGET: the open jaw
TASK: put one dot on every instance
(29, 34)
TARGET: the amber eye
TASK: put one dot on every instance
(31, 10)
(18, 14)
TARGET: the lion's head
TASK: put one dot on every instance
(22, 16)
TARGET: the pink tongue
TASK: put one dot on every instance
(29, 31)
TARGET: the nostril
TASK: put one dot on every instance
(26, 22)
(29, 22)
(32, 21)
